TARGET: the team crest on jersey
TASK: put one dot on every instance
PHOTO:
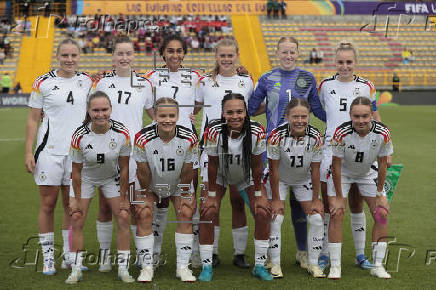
(373, 144)
(112, 144)
(80, 83)
(42, 176)
(356, 92)
(180, 151)
(241, 84)
(301, 82)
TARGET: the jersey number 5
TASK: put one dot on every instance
(171, 164)
(343, 104)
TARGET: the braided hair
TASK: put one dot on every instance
(246, 143)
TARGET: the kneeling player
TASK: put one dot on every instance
(294, 155)
(234, 145)
(164, 153)
(356, 145)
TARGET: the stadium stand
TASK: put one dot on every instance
(379, 56)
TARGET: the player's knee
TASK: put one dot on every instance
(124, 215)
(77, 220)
(262, 214)
(315, 220)
(145, 213)
(48, 209)
(186, 213)
(237, 204)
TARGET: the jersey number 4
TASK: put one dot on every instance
(70, 98)
(171, 164)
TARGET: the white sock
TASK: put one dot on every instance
(47, 240)
(123, 258)
(66, 246)
(260, 251)
(358, 228)
(240, 236)
(378, 252)
(275, 239)
(183, 249)
(196, 242)
(133, 230)
(325, 243)
(335, 254)
(145, 250)
(206, 254)
(77, 260)
(216, 230)
(315, 237)
(104, 236)
(159, 225)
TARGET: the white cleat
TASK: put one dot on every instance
(146, 274)
(301, 259)
(185, 274)
(268, 264)
(66, 265)
(380, 272)
(276, 271)
(316, 271)
(335, 273)
(196, 260)
(124, 275)
(49, 268)
(105, 267)
(74, 277)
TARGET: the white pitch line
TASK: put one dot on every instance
(12, 140)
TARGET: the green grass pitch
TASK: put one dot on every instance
(412, 225)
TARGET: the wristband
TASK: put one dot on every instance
(381, 193)
(211, 193)
(258, 193)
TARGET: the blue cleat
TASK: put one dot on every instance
(206, 274)
(323, 262)
(262, 273)
(363, 262)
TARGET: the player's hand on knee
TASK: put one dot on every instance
(125, 204)
(337, 206)
(261, 202)
(317, 207)
(382, 202)
(209, 205)
(75, 206)
(30, 163)
(277, 207)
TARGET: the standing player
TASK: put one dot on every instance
(356, 145)
(279, 86)
(336, 94)
(61, 95)
(100, 151)
(223, 80)
(294, 157)
(234, 145)
(164, 153)
(130, 94)
(174, 81)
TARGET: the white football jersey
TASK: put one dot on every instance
(63, 101)
(129, 97)
(295, 156)
(336, 97)
(99, 153)
(359, 153)
(181, 86)
(165, 159)
(213, 146)
(211, 93)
